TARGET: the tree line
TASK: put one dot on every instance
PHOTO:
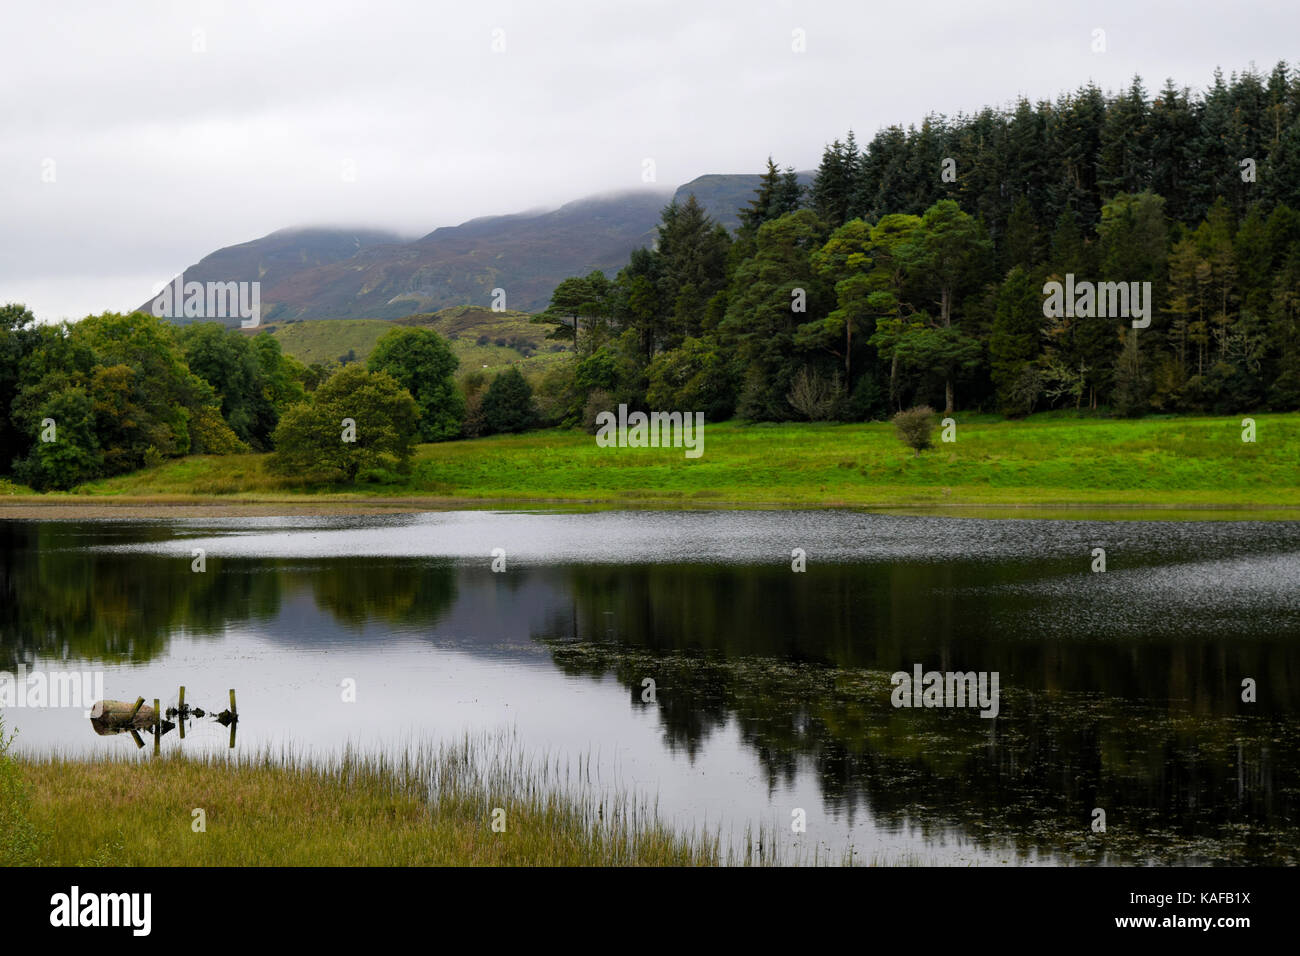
(912, 270)
(113, 393)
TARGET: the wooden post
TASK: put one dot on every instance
(233, 711)
(135, 710)
(136, 737)
(233, 725)
(157, 726)
(180, 716)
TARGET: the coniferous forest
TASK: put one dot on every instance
(912, 269)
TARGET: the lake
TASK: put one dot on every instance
(771, 692)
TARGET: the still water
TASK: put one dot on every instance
(1119, 690)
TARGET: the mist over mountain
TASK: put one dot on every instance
(336, 273)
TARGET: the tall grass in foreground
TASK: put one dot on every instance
(434, 805)
(19, 839)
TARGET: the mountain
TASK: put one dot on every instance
(287, 252)
(350, 274)
(723, 195)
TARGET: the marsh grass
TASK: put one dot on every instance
(431, 806)
(19, 838)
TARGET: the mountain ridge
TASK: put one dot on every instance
(319, 272)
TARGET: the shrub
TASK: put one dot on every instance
(813, 396)
(474, 425)
(599, 370)
(508, 403)
(556, 397)
(309, 438)
(209, 435)
(915, 426)
(695, 377)
(598, 401)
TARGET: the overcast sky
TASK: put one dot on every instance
(174, 128)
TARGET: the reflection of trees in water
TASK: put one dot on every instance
(357, 591)
(1174, 786)
(799, 664)
(801, 667)
(61, 599)
(944, 615)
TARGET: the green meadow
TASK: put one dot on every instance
(1045, 460)
(479, 338)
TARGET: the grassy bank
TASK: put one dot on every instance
(434, 808)
(1044, 460)
(473, 334)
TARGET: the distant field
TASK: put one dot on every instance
(1045, 460)
(327, 340)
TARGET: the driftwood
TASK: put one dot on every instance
(117, 716)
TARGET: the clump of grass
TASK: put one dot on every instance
(433, 805)
(19, 838)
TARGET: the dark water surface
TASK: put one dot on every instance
(1119, 690)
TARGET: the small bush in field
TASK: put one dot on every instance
(915, 426)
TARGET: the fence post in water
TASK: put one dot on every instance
(233, 711)
(139, 702)
(180, 712)
(136, 737)
(234, 718)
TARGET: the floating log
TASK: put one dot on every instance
(115, 716)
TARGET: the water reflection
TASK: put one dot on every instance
(1121, 691)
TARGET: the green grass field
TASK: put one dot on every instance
(1045, 460)
(325, 340)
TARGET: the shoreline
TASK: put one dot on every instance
(40, 508)
(1193, 469)
(360, 808)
